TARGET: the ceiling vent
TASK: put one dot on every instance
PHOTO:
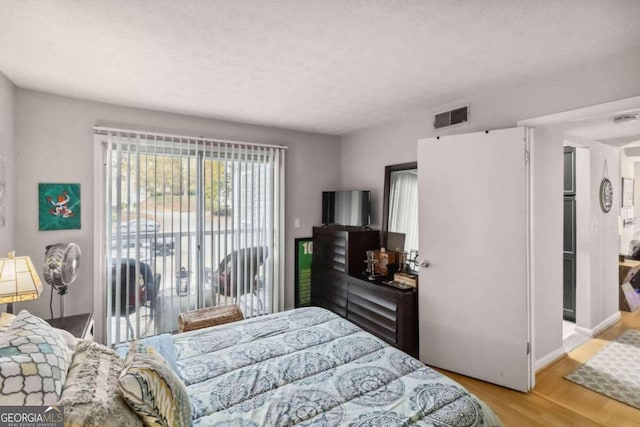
(451, 118)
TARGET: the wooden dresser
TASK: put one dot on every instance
(337, 284)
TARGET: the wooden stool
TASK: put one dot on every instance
(209, 316)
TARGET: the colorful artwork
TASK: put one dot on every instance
(59, 206)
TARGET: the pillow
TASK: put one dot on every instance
(152, 389)
(90, 394)
(7, 318)
(68, 338)
(5, 321)
(34, 360)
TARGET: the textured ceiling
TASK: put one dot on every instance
(605, 129)
(329, 66)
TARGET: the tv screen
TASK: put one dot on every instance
(349, 208)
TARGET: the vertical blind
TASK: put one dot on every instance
(188, 223)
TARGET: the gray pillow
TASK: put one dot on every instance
(90, 395)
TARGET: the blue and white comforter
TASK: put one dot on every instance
(311, 367)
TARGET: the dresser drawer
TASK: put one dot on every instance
(372, 311)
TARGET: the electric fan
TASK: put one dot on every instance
(61, 263)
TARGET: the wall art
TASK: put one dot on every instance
(59, 206)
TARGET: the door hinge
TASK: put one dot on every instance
(527, 156)
(528, 348)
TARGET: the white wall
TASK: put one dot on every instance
(605, 241)
(365, 153)
(547, 176)
(54, 143)
(7, 155)
(598, 238)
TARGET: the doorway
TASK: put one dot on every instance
(599, 132)
(576, 243)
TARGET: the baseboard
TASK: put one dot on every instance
(559, 353)
(547, 360)
(609, 321)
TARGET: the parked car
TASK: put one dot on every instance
(149, 245)
(128, 248)
(146, 226)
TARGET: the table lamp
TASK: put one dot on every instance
(19, 280)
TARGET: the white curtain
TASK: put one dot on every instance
(188, 223)
(403, 207)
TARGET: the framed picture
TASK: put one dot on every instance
(627, 192)
(58, 206)
(304, 253)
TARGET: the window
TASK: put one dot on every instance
(187, 223)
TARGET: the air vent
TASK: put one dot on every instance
(451, 118)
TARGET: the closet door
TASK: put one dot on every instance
(474, 232)
(569, 237)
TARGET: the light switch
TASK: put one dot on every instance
(296, 223)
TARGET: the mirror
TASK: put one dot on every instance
(400, 209)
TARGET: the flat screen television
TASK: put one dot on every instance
(350, 208)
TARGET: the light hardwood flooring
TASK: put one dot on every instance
(556, 401)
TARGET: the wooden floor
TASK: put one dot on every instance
(556, 401)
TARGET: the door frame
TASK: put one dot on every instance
(548, 122)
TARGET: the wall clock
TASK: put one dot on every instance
(606, 195)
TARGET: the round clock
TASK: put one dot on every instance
(606, 195)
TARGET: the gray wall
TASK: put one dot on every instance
(54, 143)
(7, 147)
(365, 154)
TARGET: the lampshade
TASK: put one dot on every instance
(19, 280)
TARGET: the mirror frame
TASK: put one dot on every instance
(385, 203)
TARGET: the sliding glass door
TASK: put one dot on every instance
(188, 223)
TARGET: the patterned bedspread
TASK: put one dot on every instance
(311, 367)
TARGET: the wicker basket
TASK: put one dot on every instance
(210, 316)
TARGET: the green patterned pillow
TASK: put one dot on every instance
(152, 389)
(34, 359)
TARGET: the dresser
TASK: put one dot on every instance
(338, 284)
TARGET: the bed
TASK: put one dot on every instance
(311, 367)
(305, 367)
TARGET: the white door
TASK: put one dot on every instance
(474, 232)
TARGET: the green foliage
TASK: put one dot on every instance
(165, 177)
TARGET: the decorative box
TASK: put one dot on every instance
(210, 316)
(407, 279)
